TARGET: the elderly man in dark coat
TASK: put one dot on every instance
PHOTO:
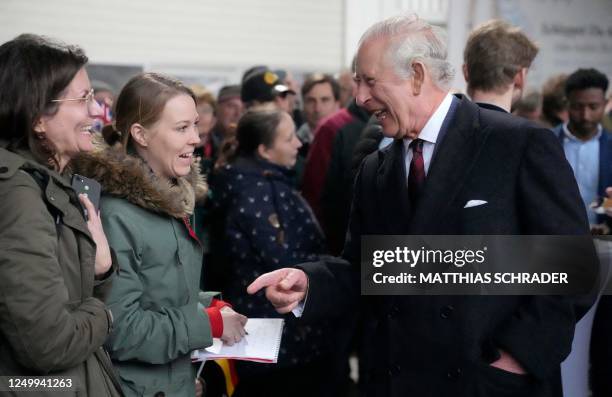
(453, 169)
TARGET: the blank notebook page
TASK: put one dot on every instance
(261, 344)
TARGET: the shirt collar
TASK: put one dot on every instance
(491, 106)
(569, 135)
(430, 132)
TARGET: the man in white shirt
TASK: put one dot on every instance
(453, 169)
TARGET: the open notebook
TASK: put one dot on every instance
(261, 344)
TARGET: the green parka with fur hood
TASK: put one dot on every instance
(155, 299)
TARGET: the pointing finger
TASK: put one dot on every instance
(265, 280)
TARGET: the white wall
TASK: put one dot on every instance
(213, 41)
(360, 14)
(207, 40)
(571, 34)
(186, 36)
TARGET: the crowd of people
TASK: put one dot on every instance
(252, 202)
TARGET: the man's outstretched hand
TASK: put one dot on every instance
(285, 288)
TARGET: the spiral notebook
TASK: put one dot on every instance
(260, 345)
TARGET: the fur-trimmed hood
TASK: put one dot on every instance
(128, 176)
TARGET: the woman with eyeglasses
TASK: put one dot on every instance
(55, 264)
(150, 186)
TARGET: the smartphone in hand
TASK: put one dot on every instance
(89, 187)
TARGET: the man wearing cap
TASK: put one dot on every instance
(287, 79)
(264, 86)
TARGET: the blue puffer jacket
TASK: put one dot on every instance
(267, 226)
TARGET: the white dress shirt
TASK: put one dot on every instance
(429, 134)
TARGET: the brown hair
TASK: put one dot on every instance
(142, 101)
(495, 52)
(319, 78)
(256, 127)
(34, 70)
(531, 101)
(554, 100)
(203, 95)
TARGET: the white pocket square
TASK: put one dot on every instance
(474, 203)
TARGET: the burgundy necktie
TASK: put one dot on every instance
(416, 175)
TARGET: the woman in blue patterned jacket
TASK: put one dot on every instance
(268, 225)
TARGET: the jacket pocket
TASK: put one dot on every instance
(492, 381)
(478, 212)
(183, 291)
(478, 220)
(175, 389)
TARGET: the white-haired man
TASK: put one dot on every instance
(447, 152)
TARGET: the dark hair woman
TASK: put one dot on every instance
(55, 265)
(267, 225)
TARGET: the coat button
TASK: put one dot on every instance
(159, 394)
(3, 170)
(394, 370)
(446, 311)
(454, 373)
(393, 312)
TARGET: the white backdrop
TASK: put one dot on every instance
(214, 41)
(571, 33)
(189, 37)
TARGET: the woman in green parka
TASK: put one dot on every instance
(55, 265)
(150, 185)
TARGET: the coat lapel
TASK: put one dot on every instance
(452, 163)
(392, 189)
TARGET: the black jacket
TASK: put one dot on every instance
(442, 345)
(267, 225)
(337, 191)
